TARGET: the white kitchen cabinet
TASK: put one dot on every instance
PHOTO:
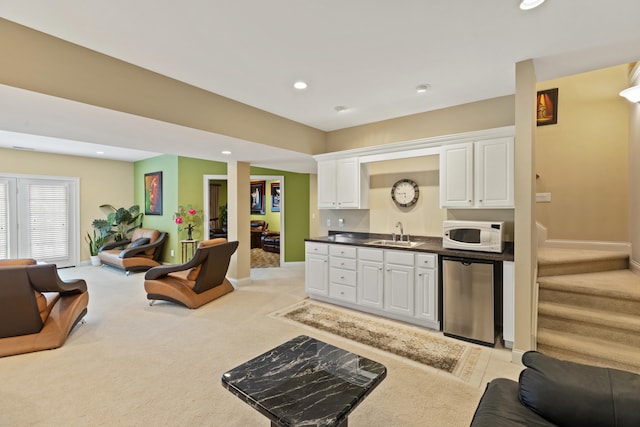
(317, 268)
(342, 272)
(426, 287)
(456, 176)
(477, 174)
(370, 277)
(508, 302)
(398, 282)
(343, 184)
(495, 175)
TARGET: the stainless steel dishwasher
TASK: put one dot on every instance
(468, 299)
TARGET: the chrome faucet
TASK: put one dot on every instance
(399, 224)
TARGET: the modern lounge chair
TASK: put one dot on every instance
(197, 282)
(143, 251)
(38, 310)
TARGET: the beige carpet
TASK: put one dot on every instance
(415, 343)
(263, 259)
(136, 365)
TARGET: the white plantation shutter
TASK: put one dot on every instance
(48, 221)
(4, 220)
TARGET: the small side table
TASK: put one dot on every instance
(186, 245)
(305, 382)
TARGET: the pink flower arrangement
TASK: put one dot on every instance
(187, 217)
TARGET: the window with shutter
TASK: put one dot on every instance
(48, 221)
(4, 220)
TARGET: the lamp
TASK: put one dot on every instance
(632, 93)
(530, 4)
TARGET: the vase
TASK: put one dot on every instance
(95, 261)
(189, 232)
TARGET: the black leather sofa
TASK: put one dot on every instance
(552, 392)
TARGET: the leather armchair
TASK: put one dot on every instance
(38, 310)
(144, 250)
(257, 228)
(194, 283)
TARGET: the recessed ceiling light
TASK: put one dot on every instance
(300, 85)
(226, 152)
(530, 4)
(341, 108)
(422, 88)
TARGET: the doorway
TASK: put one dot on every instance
(39, 219)
(268, 248)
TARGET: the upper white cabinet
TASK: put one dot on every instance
(477, 174)
(343, 184)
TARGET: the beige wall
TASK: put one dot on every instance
(634, 172)
(101, 181)
(487, 114)
(583, 160)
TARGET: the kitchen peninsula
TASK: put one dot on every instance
(368, 272)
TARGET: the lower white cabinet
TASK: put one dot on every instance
(508, 302)
(370, 277)
(392, 283)
(317, 268)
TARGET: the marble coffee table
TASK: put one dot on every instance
(305, 382)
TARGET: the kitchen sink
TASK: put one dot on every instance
(394, 243)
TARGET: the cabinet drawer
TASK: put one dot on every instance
(346, 293)
(426, 260)
(345, 277)
(368, 254)
(317, 248)
(343, 251)
(346, 263)
(398, 257)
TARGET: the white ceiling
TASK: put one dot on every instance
(363, 54)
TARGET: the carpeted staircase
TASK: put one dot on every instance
(589, 307)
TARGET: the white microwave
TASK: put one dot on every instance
(483, 236)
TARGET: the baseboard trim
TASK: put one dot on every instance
(293, 264)
(240, 282)
(588, 244)
(634, 266)
(516, 356)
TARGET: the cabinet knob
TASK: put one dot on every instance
(342, 277)
(419, 274)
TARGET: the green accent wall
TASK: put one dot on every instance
(182, 180)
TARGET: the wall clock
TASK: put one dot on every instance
(405, 193)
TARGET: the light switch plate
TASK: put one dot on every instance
(543, 197)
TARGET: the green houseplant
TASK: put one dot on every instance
(120, 222)
(94, 243)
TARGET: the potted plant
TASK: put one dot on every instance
(223, 217)
(95, 243)
(119, 223)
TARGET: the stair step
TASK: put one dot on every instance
(561, 261)
(590, 322)
(589, 350)
(616, 291)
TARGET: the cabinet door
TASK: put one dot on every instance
(348, 183)
(456, 176)
(494, 167)
(370, 284)
(317, 274)
(426, 294)
(398, 289)
(327, 185)
(508, 302)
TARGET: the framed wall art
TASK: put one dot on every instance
(275, 197)
(153, 193)
(547, 107)
(257, 197)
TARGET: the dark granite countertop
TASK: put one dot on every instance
(305, 382)
(427, 244)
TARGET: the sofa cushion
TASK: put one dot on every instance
(500, 407)
(139, 242)
(572, 394)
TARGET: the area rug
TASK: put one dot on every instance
(263, 259)
(408, 341)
